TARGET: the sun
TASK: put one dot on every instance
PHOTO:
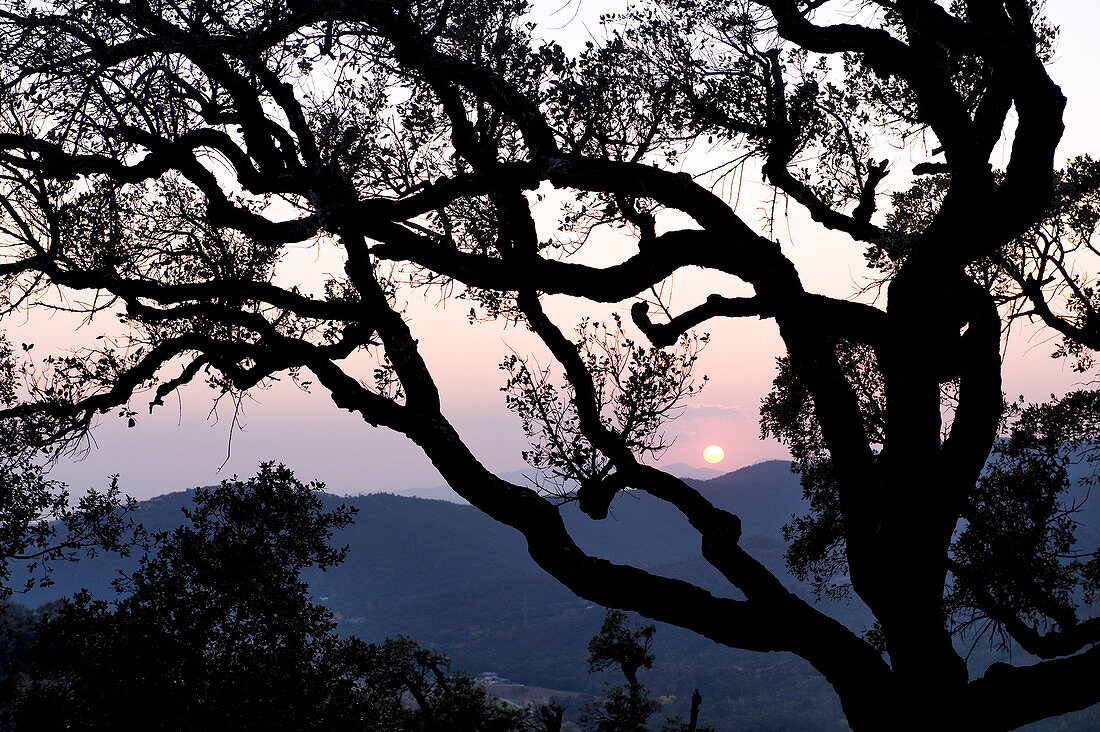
(713, 454)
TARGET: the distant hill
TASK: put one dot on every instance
(446, 574)
(523, 477)
(403, 547)
(683, 470)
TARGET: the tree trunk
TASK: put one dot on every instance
(696, 700)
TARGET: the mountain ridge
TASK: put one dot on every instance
(527, 477)
(449, 576)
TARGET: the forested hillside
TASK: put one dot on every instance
(447, 575)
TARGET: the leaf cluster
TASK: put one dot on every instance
(1017, 555)
(815, 541)
(637, 389)
(217, 627)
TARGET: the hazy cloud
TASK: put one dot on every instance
(722, 411)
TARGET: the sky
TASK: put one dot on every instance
(186, 444)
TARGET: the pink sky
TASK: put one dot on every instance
(179, 448)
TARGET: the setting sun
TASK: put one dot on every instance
(713, 454)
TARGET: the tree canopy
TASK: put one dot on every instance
(160, 157)
(40, 522)
(216, 627)
(617, 644)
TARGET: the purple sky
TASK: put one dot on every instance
(177, 448)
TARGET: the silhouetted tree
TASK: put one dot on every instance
(15, 638)
(218, 629)
(547, 717)
(617, 644)
(39, 521)
(677, 724)
(628, 708)
(159, 157)
(410, 688)
(624, 708)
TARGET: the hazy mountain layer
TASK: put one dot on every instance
(444, 573)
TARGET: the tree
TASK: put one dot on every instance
(625, 709)
(146, 146)
(218, 628)
(628, 709)
(547, 717)
(416, 691)
(217, 625)
(39, 521)
(16, 638)
(619, 645)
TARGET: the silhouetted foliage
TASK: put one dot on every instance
(414, 584)
(159, 158)
(411, 688)
(636, 391)
(548, 717)
(216, 628)
(815, 542)
(617, 644)
(219, 629)
(40, 522)
(628, 708)
(16, 632)
(624, 708)
(1020, 572)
